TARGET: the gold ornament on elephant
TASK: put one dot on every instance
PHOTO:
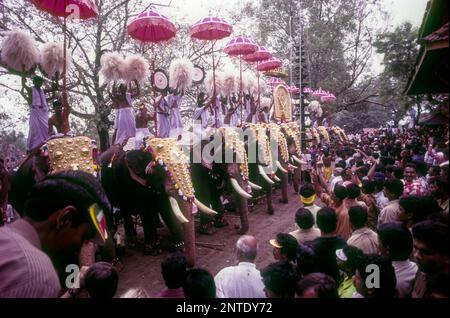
(283, 105)
(169, 155)
(315, 134)
(280, 140)
(324, 132)
(292, 130)
(238, 147)
(260, 133)
(71, 153)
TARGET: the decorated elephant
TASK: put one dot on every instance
(154, 180)
(224, 170)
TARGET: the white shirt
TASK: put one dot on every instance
(334, 181)
(382, 201)
(241, 281)
(405, 272)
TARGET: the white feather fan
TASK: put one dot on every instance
(113, 67)
(265, 102)
(230, 82)
(19, 51)
(209, 83)
(52, 59)
(315, 109)
(180, 74)
(136, 68)
(249, 83)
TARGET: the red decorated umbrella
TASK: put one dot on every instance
(329, 98)
(151, 27)
(308, 90)
(319, 93)
(294, 89)
(211, 29)
(240, 46)
(275, 81)
(79, 9)
(269, 65)
(260, 55)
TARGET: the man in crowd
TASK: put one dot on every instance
(173, 270)
(393, 189)
(412, 185)
(243, 280)
(306, 231)
(362, 237)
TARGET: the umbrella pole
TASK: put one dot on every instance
(240, 89)
(155, 116)
(259, 98)
(65, 103)
(214, 86)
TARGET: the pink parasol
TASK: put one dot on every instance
(269, 65)
(319, 93)
(211, 29)
(151, 27)
(328, 98)
(275, 81)
(80, 9)
(260, 55)
(62, 8)
(294, 89)
(308, 90)
(240, 46)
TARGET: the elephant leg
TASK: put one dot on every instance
(284, 186)
(151, 243)
(128, 224)
(216, 203)
(243, 213)
(269, 197)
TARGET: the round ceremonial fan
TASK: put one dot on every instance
(199, 75)
(161, 80)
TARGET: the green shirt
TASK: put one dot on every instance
(346, 289)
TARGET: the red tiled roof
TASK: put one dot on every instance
(439, 35)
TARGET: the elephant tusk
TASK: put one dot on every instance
(279, 166)
(177, 211)
(203, 208)
(254, 186)
(298, 160)
(264, 175)
(276, 178)
(239, 190)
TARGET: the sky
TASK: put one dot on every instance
(190, 11)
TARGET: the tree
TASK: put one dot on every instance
(400, 51)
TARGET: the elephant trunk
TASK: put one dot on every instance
(243, 214)
(189, 231)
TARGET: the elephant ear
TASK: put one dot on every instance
(136, 163)
(39, 166)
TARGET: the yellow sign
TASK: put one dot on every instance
(283, 105)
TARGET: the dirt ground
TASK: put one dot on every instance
(145, 271)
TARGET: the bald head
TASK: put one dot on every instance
(247, 248)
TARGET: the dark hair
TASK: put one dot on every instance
(306, 260)
(327, 220)
(368, 186)
(411, 165)
(397, 238)
(280, 278)
(304, 218)
(398, 173)
(353, 191)
(340, 164)
(419, 207)
(68, 188)
(340, 191)
(307, 190)
(101, 280)
(353, 255)
(323, 285)
(199, 283)
(388, 280)
(394, 186)
(358, 216)
(173, 270)
(433, 234)
(288, 245)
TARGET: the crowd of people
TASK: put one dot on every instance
(372, 221)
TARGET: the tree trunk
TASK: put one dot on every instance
(103, 135)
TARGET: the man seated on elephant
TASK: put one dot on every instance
(62, 212)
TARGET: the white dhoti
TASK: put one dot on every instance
(38, 124)
(125, 124)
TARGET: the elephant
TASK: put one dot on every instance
(211, 178)
(154, 179)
